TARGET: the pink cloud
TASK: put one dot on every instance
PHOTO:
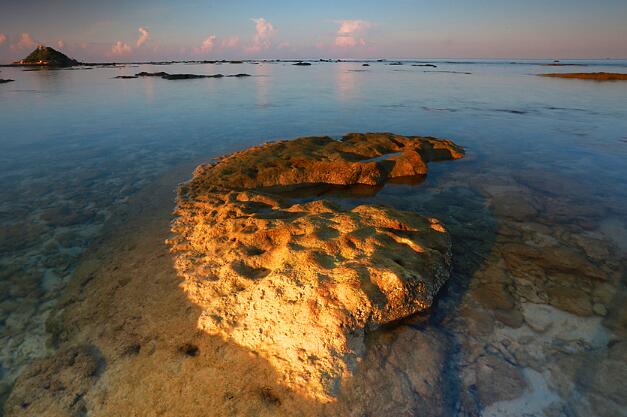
(144, 35)
(60, 44)
(230, 42)
(120, 48)
(264, 31)
(3, 38)
(206, 45)
(26, 42)
(350, 33)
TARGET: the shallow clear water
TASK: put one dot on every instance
(546, 166)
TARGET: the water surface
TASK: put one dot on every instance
(546, 168)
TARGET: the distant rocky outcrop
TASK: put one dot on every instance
(597, 76)
(3, 81)
(301, 282)
(46, 56)
(167, 76)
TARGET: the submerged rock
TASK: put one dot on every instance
(55, 386)
(301, 283)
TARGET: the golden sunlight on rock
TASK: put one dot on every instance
(300, 283)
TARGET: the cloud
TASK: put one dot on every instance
(350, 33)
(60, 44)
(120, 48)
(3, 38)
(206, 45)
(144, 35)
(230, 42)
(26, 42)
(263, 34)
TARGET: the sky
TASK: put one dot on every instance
(143, 30)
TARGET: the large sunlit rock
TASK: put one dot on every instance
(300, 283)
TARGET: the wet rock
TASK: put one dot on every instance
(545, 181)
(538, 399)
(593, 381)
(301, 283)
(572, 300)
(66, 216)
(409, 382)
(19, 236)
(4, 81)
(532, 263)
(498, 380)
(495, 296)
(512, 318)
(369, 159)
(476, 321)
(599, 309)
(596, 249)
(513, 202)
(55, 386)
(556, 329)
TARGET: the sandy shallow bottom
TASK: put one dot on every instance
(533, 321)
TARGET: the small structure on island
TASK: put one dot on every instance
(47, 56)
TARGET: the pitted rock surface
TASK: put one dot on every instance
(301, 283)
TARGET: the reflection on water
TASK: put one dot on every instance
(534, 316)
(345, 82)
(262, 84)
(149, 89)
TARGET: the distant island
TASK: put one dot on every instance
(47, 56)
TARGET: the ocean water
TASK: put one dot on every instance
(546, 168)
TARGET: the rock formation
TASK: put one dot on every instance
(597, 76)
(300, 283)
(46, 56)
(167, 76)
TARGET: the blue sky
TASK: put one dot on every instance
(162, 29)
